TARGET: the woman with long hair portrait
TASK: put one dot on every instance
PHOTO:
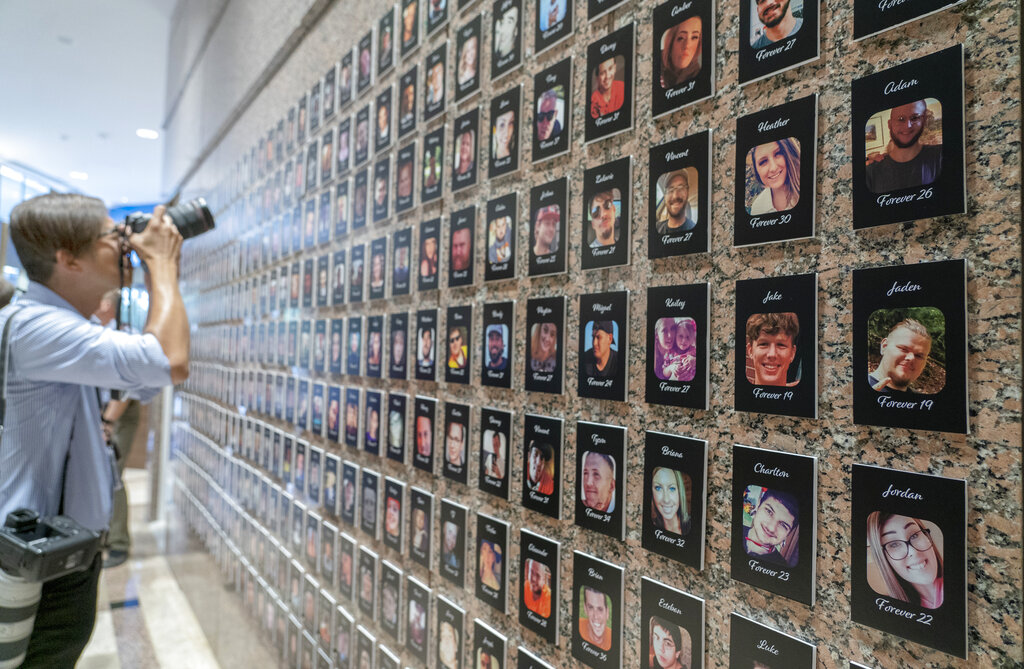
(543, 347)
(776, 167)
(907, 559)
(681, 47)
(669, 511)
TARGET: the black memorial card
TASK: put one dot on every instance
(678, 320)
(307, 281)
(776, 37)
(409, 24)
(501, 230)
(606, 214)
(363, 130)
(774, 521)
(349, 498)
(386, 658)
(506, 119)
(405, 178)
(545, 337)
(309, 215)
(366, 582)
(598, 8)
(610, 76)
(453, 542)
(398, 346)
(401, 266)
(429, 254)
(347, 569)
(436, 15)
(334, 413)
(549, 220)
(462, 243)
(542, 464)
(345, 79)
(526, 659)
(489, 646)
(354, 351)
(371, 424)
(752, 644)
(597, 611)
(407, 103)
(357, 271)
(909, 163)
(496, 336)
(871, 17)
(378, 268)
(603, 346)
(552, 23)
(394, 514)
(679, 209)
(421, 525)
(332, 480)
(539, 577)
(777, 345)
(381, 189)
(322, 278)
(365, 645)
(552, 112)
(397, 403)
(326, 163)
(911, 532)
(382, 121)
(352, 417)
(374, 345)
(675, 487)
(424, 416)
(417, 619)
(495, 442)
(468, 40)
(449, 637)
(456, 442)
(337, 345)
(776, 159)
(507, 38)
(314, 107)
(426, 334)
(343, 154)
(434, 76)
(601, 478)
(432, 165)
(458, 343)
(910, 346)
(342, 210)
(492, 561)
(465, 136)
(369, 502)
(329, 90)
(683, 58)
(386, 41)
(671, 626)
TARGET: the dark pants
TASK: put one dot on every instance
(67, 614)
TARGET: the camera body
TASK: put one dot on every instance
(41, 549)
(192, 218)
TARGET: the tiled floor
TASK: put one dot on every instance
(167, 605)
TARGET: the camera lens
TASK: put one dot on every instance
(192, 218)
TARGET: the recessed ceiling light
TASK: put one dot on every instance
(11, 174)
(146, 133)
(81, 176)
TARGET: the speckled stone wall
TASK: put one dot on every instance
(988, 236)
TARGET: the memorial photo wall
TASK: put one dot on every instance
(579, 334)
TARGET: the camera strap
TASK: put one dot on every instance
(5, 352)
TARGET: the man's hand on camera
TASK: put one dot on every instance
(159, 243)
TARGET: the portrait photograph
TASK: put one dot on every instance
(369, 502)
(407, 107)
(456, 442)
(354, 350)
(346, 566)
(328, 552)
(449, 640)
(458, 340)
(344, 94)
(386, 41)
(398, 345)
(462, 235)
(679, 197)
(374, 345)
(610, 75)
(401, 260)
(603, 346)
(545, 329)
(776, 35)
(675, 479)
(405, 170)
(432, 166)
(468, 39)
(343, 646)
(870, 18)
(364, 62)
(316, 416)
(777, 345)
(365, 645)
(464, 149)
(597, 611)
(409, 23)
(453, 542)
(552, 95)
(488, 646)
(327, 158)
(908, 577)
(332, 480)
(421, 525)
(429, 254)
(542, 464)
(360, 198)
(910, 346)
(774, 511)
(341, 212)
(501, 237)
(496, 363)
(495, 442)
(684, 55)
(328, 99)
(507, 40)
(552, 23)
(366, 582)
(356, 279)
(677, 345)
(363, 129)
(371, 423)
(299, 188)
(671, 627)
(492, 561)
(539, 593)
(755, 645)
(434, 72)
(323, 292)
(352, 407)
(396, 427)
(334, 414)
(912, 165)
(314, 115)
(504, 144)
(606, 214)
(426, 334)
(549, 218)
(337, 345)
(601, 478)
(417, 626)
(776, 197)
(378, 272)
(435, 14)
(394, 514)
(382, 123)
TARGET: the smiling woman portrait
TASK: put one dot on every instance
(773, 176)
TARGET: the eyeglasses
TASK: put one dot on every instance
(454, 338)
(606, 205)
(547, 116)
(108, 233)
(913, 119)
(897, 549)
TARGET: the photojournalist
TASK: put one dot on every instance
(53, 455)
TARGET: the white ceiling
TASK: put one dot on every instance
(77, 78)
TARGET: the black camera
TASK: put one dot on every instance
(192, 219)
(41, 549)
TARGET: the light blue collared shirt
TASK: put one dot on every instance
(57, 360)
